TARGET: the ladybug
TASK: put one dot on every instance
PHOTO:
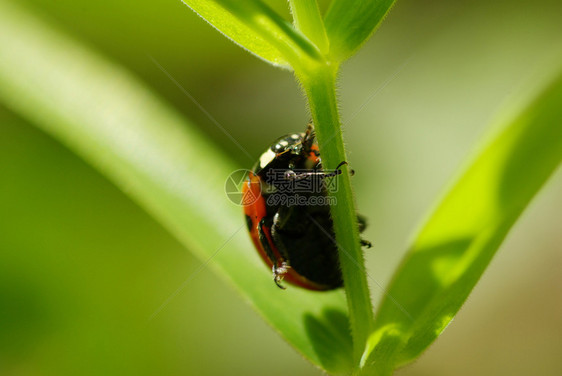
(287, 210)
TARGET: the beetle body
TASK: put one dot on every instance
(288, 216)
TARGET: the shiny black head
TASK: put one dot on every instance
(283, 151)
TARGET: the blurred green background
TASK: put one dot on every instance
(82, 268)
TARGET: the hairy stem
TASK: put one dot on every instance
(319, 85)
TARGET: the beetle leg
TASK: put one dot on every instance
(308, 138)
(366, 243)
(279, 269)
(277, 238)
(265, 242)
(279, 274)
(362, 224)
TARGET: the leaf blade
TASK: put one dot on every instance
(307, 18)
(232, 28)
(147, 149)
(459, 240)
(259, 29)
(349, 23)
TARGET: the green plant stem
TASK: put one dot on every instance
(319, 85)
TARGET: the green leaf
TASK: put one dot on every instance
(307, 18)
(163, 163)
(460, 238)
(257, 28)
(349, 23)
(237, 31)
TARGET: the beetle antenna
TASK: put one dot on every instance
(341, 164)
(291, 175)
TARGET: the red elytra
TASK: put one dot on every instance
(256, 211)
